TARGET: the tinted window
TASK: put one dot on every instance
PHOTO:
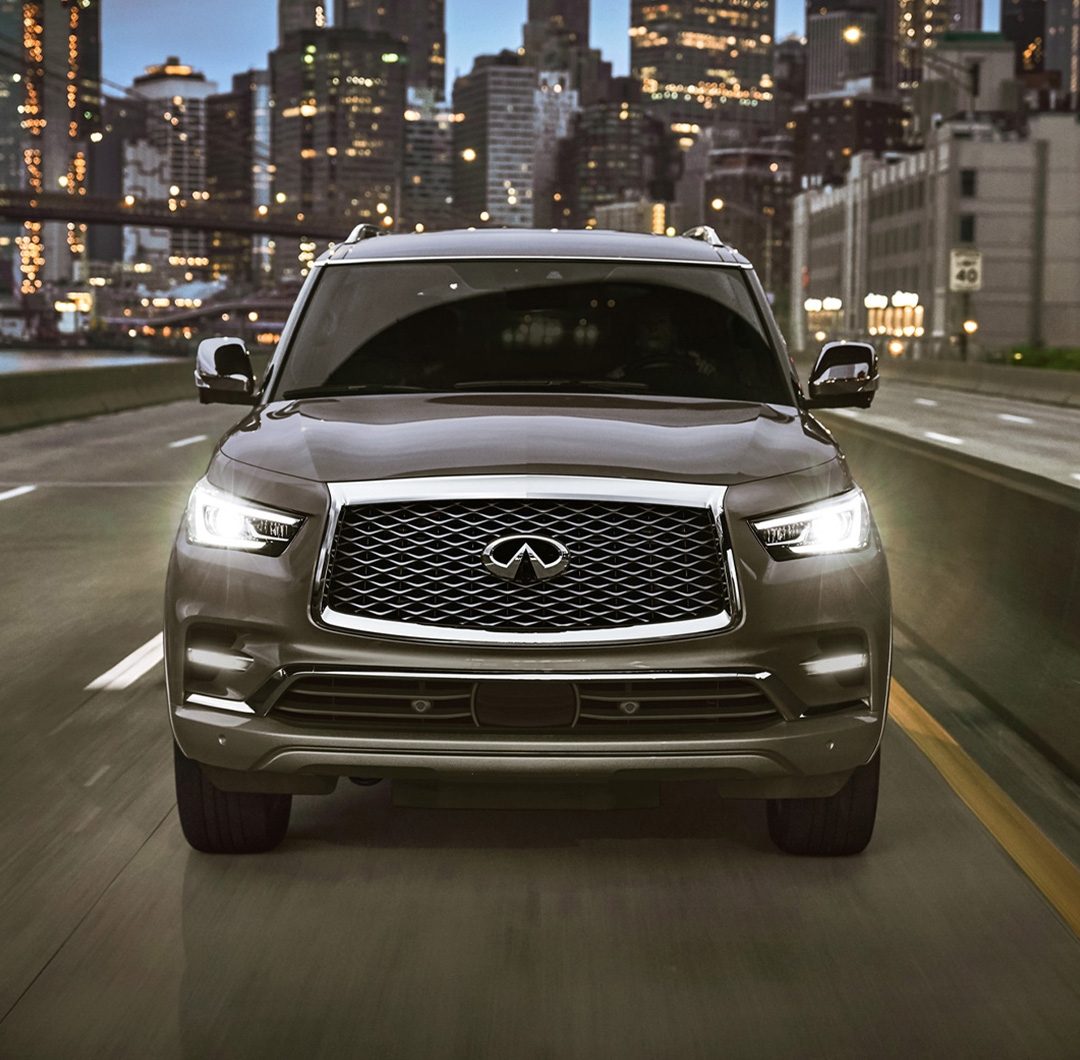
(688, 331)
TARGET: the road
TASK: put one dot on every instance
(382, 931)
(1042, 439)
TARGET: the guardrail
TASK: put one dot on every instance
(31, 399)
(985, 567)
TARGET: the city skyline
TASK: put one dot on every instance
(131, 42)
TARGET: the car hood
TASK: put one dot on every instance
(403, 436)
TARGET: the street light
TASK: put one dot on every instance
(717, 204)
(852, 34)
(971, 326)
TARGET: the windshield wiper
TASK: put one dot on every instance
(551, 384)
(356, 388)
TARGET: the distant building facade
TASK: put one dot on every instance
(420, 26)
(337, 131)
(704, 63)
(427, 192)
(877, 249)
(494, 142)
(175, 95)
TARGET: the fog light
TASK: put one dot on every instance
(215, 659)
(835, 664)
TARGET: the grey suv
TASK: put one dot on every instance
(529, 507)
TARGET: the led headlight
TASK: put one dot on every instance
(220, 520)
(840, 524)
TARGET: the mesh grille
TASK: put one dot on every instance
(630, 565)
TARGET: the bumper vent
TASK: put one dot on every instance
(623, 706)
(629, 565)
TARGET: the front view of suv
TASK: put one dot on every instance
(532, 506)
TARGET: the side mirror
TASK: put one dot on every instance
(846, 374)
(223, 373)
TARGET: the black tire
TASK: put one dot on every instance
(226, 822)
(841, 824)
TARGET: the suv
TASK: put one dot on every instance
(529, 506)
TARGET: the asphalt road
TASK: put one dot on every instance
(381, 931)
(1042, 439)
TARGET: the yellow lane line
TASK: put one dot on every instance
(1046, 866)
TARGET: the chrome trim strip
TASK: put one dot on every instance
(539, 487)
(288, 678)
(457, 258)
(236, 706)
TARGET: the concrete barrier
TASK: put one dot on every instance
(33, 398)
(985, 566)
(1046, 385)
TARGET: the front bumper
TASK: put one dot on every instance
(792, 613)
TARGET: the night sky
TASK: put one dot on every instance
(223, 37)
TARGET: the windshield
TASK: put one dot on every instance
(674, 330)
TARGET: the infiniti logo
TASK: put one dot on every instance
(525, 558)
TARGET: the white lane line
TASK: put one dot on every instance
(128, 670)
(18, 491)
(1008, 417)
(928, 403)
(97, 776)
(1076, 475)
(845, 412)
(181, 442)
(948, 439)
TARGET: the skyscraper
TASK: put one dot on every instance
(427, 190)
(848, 40)
(237, 167)
(338, 117)
(1023, 22)
(57, 109)
(494, 142)
(1063, 44)
(420, 26)
(176, 97)
(555, 28)
(704, 61)
(294, 15)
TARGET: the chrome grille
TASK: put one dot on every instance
(631, 564)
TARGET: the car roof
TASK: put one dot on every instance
(533, 243)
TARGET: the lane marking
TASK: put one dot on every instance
(948, 439)
(1076, 475)
(97, 776)
(18, 491)
(928, 403)
(1009, 417)
(845, 412)
(181, 442)
(1047, 867)
(129, 669)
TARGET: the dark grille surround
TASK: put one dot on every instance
(631, 564)
(622, 705)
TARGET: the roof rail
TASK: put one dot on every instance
(361, 232)
(706, 234)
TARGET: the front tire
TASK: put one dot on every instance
(839, 825)
(226, 822)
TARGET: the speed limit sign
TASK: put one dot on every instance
(965, 270)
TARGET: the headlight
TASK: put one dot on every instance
(220, 520)
(841, 524)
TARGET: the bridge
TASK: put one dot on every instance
(195, 215)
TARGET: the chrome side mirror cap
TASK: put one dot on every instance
(223, 373)
(845, 375)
